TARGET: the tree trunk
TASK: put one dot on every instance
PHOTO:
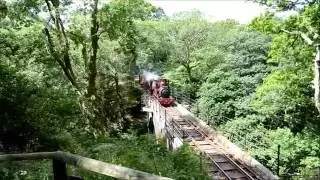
(317, 79)
(126, 121)
(189, 73)
(85, 55)
(93, 58)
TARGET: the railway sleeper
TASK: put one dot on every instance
(193, 132)
(195, 138)
(218, 158)
(219, 176)
(190, 139)
(227, 166)
(183, 124)
(236, 174)
(240, 166)
(247, 169)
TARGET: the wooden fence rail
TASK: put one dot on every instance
(60, 159)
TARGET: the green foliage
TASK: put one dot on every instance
(267, 23)
(145, 154)
(3, 9)
(298, 153)
(248, 82)
(286, 98)
(13, 102)
(250, 85)
(142, 153)
(248, 132)
(309, 165)
(286, 94)
(26, 170)
(284, 5)
(41, 111)
(227, 91)
(217, 102)
(295, 150)
(117, 19)
(155, 45)
(188, 35)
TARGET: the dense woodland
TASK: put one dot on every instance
(67, 83)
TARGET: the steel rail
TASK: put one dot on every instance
(242, 170)
(237, 167)
(179, 128)
(220, 168)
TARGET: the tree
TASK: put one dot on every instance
(286, 94)
(227, 91)
(305, 25)
(285, 97)
(31, 84)
(158, 14)
(114, 22)
(155, 47)
(77, 50)
(60, 54)
(290, 85)
(118, 21)
(188, 36)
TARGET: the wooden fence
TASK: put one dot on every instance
(61, 159)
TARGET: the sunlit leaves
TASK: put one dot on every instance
(286, 94)
(117, 16)
(266, 23)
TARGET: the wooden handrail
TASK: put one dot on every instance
(93, 165)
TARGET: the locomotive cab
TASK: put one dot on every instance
(159, 88)
(163, 93)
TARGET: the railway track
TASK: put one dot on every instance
(222, 166)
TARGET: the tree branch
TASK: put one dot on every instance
(303, 36)
(57, 57)
(50, 10)
(94, 45)
(63, 58)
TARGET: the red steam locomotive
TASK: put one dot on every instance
(159, 88)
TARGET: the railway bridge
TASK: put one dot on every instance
(226, 161)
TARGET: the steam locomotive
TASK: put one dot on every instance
(159, 88)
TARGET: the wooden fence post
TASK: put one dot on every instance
(59, 169)
(278, 161)
(75, 178)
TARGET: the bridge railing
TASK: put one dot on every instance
(61, 159)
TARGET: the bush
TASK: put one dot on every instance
(143, 153)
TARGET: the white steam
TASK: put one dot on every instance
(150, 76)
